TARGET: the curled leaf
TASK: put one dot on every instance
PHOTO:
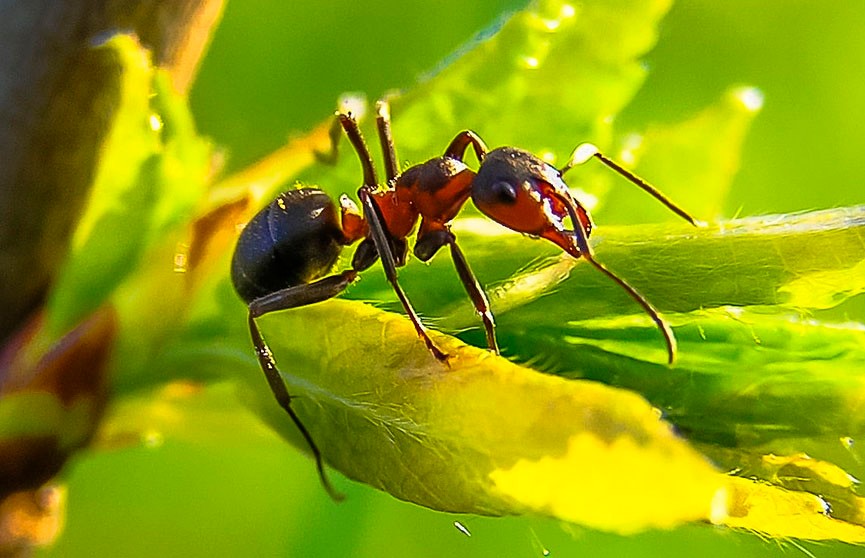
(51, 407)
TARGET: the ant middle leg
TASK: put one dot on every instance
(385, 137)
(380, 238)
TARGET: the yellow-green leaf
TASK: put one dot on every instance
(481, 434)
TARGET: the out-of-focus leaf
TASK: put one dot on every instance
(31, 518)
(51, 401)
(152, 173)
(495, 88)
(552, 76)
(776, 512)
(692, 167)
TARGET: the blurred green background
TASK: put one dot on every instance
(273, 71)
(276, 69)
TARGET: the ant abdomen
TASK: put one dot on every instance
(295, 239)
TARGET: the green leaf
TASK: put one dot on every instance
(695, 168)
(152, 173)
(738, 375)
(757, 261)
(484, 435)
(745, 356)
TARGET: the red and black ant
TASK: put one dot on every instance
(285, 252)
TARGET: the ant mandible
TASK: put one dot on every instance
(285, 252)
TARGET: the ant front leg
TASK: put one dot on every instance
(428, 244)
(294, 297)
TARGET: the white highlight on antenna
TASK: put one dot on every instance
(583, 153)
(353, 104)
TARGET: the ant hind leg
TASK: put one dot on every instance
(293, 297)
(331, 155)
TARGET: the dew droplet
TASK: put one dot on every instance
(155, 122)
(353, 104)
(750, 97)
(152, 438)
(181, 258)
(551, 24)
(462, 529)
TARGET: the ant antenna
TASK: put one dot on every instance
(586, 151)
(587, 253)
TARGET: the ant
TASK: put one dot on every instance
(285, 252)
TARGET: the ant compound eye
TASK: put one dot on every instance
(504, 192)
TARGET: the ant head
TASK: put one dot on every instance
(527, 195)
